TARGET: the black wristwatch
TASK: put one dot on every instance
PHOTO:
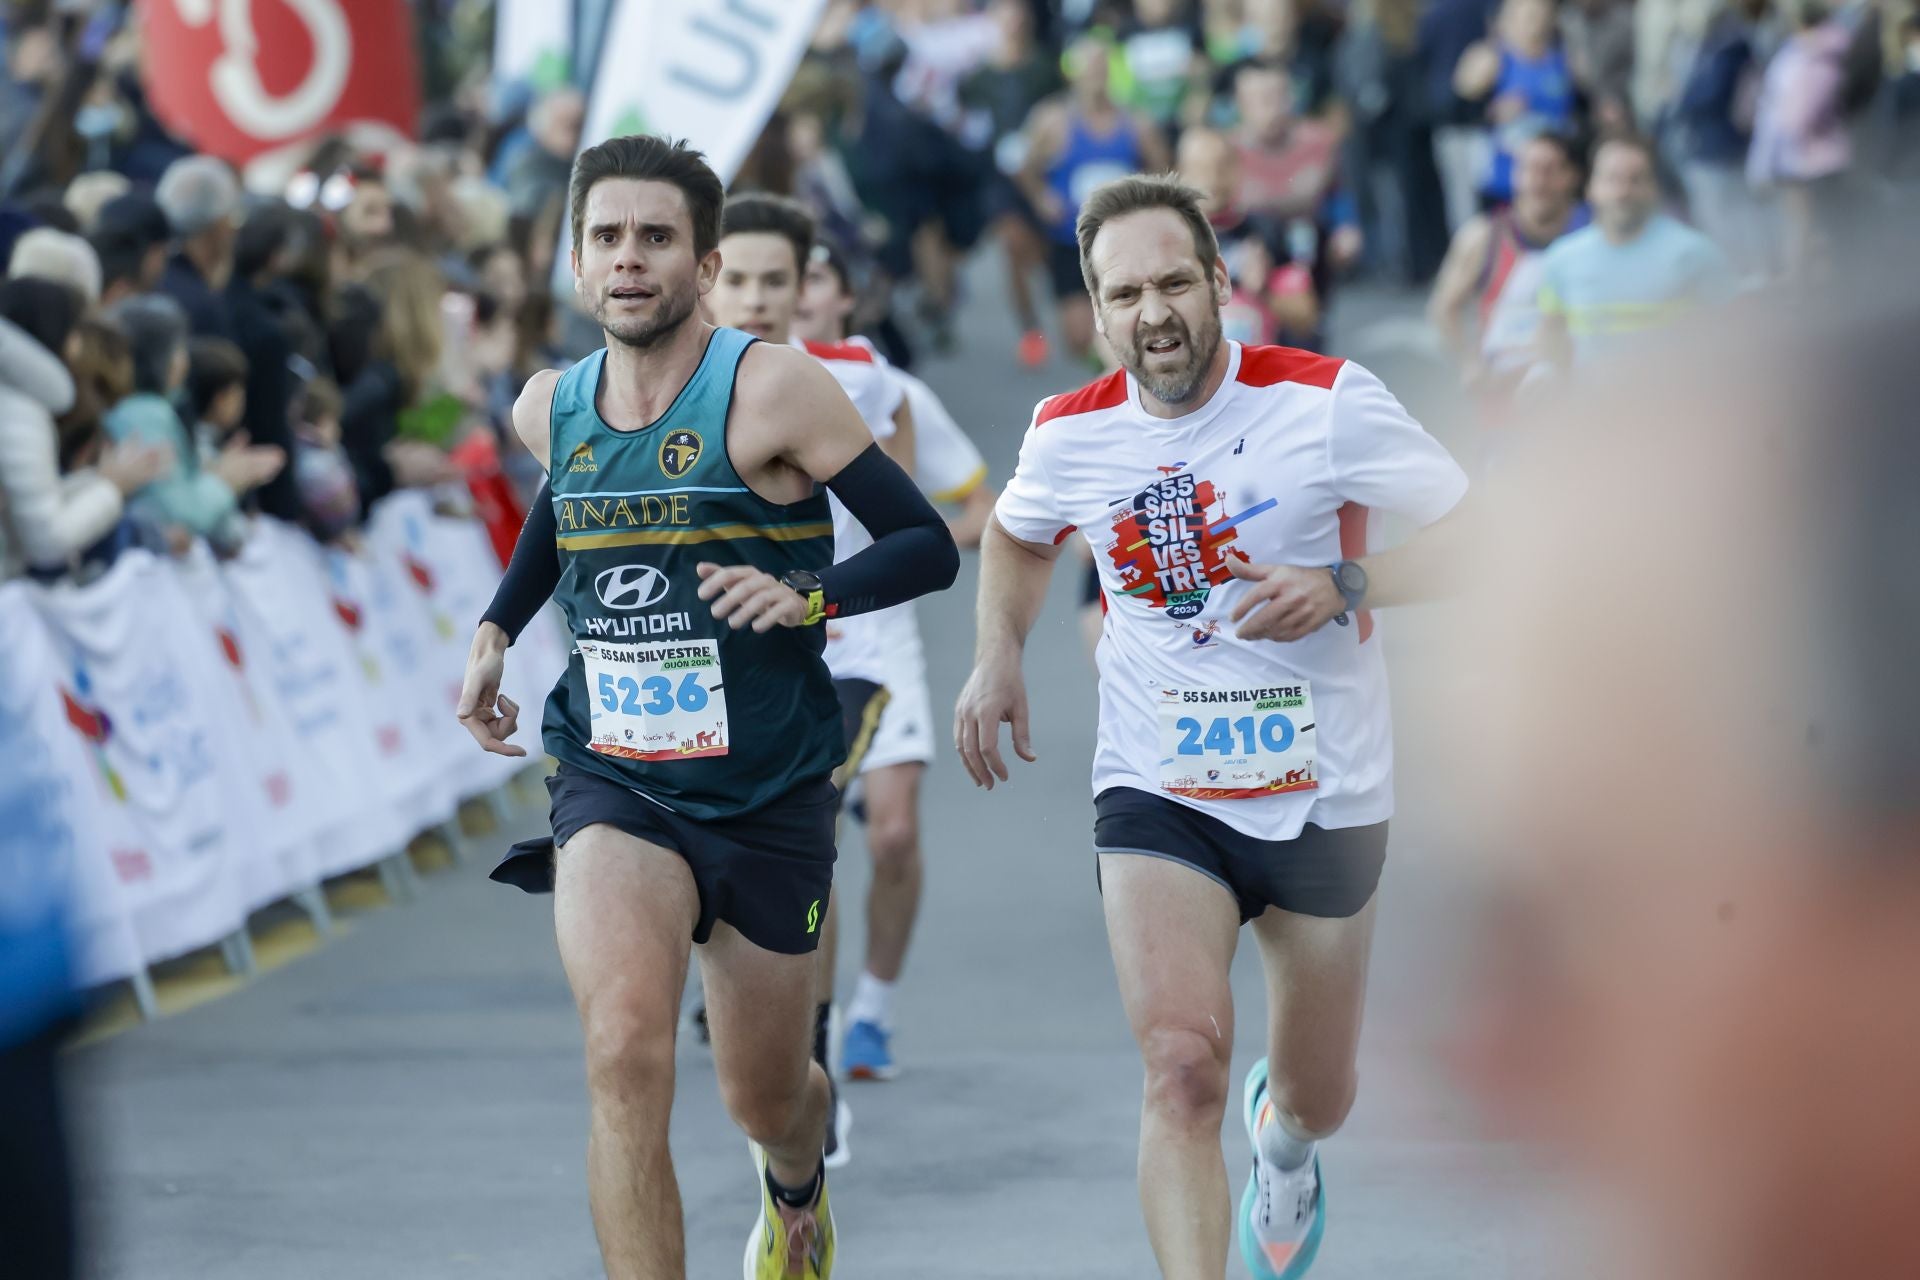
(1351, 581)
(807, 583)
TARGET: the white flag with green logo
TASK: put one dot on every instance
(533, 41)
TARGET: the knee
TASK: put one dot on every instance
(1186, 1076)
(1317, 1109)
(765, 1111)
(893, 841)
(629, 1051)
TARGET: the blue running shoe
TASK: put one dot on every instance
(867, 1053)
(1283, 1213)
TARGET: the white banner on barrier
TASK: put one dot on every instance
(220, 735)
(454, 589)
(90, 845)
(271, 787)
(156, 747)
(287, 623)
(393, 639)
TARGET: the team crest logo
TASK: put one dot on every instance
(582, 459)
(678, 452)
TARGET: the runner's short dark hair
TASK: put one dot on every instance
(760, 213)
(646, 157)
(1569, 150)
(1624, 138)
(1135, 195)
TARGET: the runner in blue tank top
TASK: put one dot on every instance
(690, 543)
(1078, 141)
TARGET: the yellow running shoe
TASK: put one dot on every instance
(789, 1244)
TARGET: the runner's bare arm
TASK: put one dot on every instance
(1013, 587)
(900, 445)
(533, 414)
(532, 574)
(1459, 274)
(969, 528)
(1046, 135)
(1154, 155)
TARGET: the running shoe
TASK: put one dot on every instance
(1283, 1213)
(839, 1124)
(1034, 349)
(789, 1244)
(867, 1052)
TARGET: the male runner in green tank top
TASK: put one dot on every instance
(696, 727)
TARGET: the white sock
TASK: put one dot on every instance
(1280, 1149)
(872, 1002)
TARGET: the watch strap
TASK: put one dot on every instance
(816, 607)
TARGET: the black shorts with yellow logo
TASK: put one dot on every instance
(767, 872)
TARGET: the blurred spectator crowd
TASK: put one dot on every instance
(181, 344)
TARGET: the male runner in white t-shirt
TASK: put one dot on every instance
(1244, 765)
(764, 244)
(951, 471)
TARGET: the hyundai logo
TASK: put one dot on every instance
(631, 586)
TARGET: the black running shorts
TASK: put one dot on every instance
(1063, 271)
(861, 704)
(766, 873)
(1320, 872)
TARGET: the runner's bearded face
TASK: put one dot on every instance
(1157, 304)
(635, 269)
(759, 285)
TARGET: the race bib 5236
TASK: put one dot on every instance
(656, 701)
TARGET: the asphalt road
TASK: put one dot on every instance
(408, 1102)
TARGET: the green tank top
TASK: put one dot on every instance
(659, 695)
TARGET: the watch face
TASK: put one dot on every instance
(1352, 578)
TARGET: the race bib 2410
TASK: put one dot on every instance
(1237, 743)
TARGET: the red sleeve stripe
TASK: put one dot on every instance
(1353, 545)
(839, 351)
(1266, 366)
(1065, 533)
(1109, 392)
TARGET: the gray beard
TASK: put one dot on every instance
(1180, 386)
(675, 309)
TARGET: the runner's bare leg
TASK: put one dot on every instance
(1173, 933)
(624, 911)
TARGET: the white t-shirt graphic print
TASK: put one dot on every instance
(1283, 465)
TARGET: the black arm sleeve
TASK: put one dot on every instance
(532, 573)
(912, 552)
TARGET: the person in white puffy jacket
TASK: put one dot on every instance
(46, 519)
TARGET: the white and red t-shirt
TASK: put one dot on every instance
(1283, 465)
(856, 646)
(947, 465)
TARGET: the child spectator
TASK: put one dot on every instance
(216, 391)
(321, 467)
(188, 499)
